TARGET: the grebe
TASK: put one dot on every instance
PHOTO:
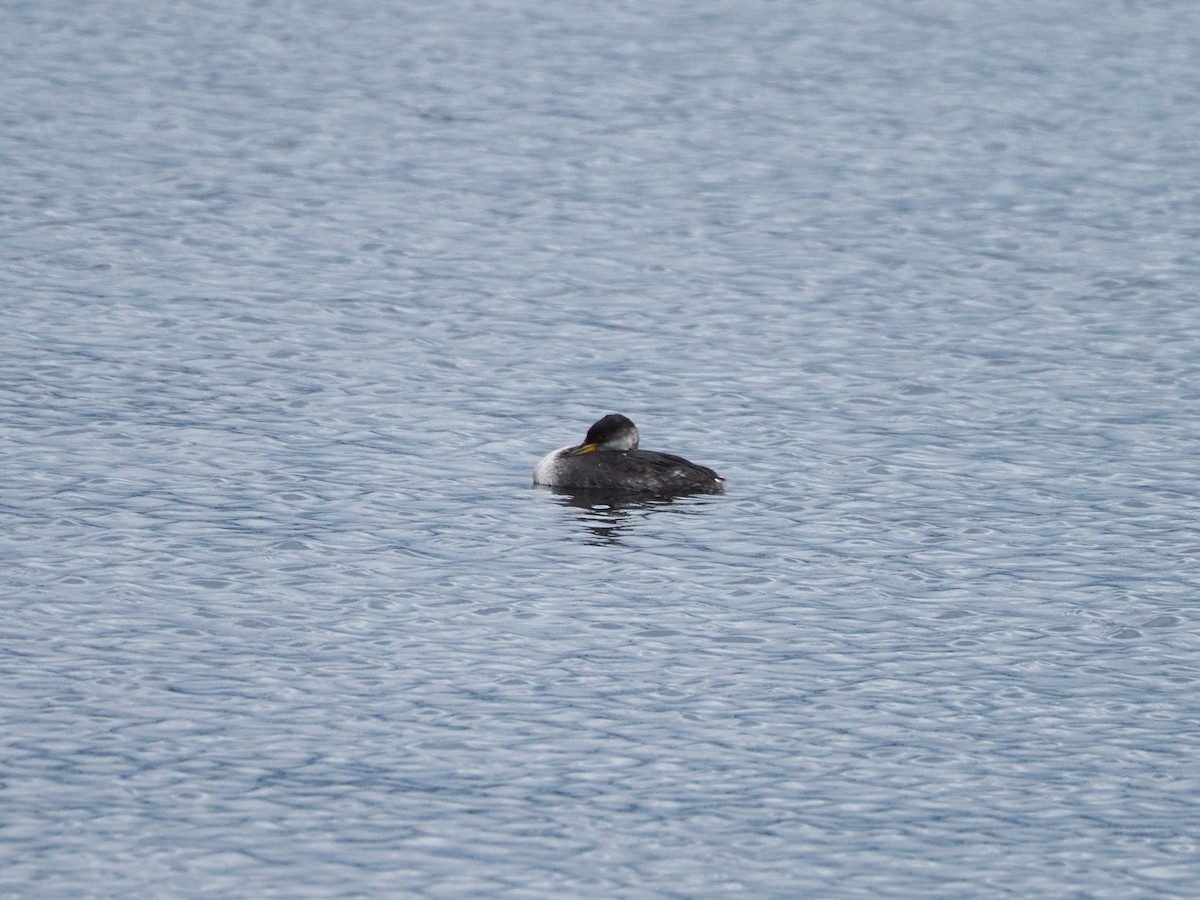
(609, 461)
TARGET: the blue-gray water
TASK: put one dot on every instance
(294, 296)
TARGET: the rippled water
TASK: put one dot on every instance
(294, 297)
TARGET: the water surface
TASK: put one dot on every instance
(294, 297)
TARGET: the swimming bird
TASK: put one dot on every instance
(609, 461)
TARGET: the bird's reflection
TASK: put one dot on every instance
(607, 516)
